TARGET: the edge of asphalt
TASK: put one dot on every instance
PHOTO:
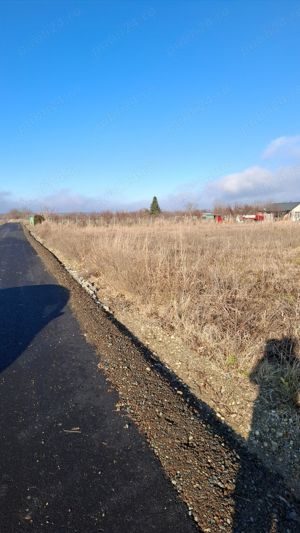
(191, 442)
(177, 384)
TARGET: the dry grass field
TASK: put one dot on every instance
(225, 289)
(219, 303)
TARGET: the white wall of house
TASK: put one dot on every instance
(295, 213)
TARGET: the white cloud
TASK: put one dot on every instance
(255, 184)
(65, 200)
(286, 146)
(251, 182)
(258, 183)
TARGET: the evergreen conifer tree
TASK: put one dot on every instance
(154, 208)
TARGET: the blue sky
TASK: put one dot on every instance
(105, 104)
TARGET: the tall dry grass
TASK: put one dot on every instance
(225, 289)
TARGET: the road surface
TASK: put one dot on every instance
(69, 461)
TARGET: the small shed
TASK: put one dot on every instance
(213, 217)
(208, 217)
(36, 219)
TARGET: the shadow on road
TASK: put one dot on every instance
(24, 311)
(68, 462)
(262, 503)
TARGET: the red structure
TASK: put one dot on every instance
(259, 217)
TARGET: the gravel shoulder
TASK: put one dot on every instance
(225, 487)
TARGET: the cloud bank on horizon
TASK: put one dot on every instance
(251, 185)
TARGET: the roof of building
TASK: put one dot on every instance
(283, 207)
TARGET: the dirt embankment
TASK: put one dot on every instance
(225, 488)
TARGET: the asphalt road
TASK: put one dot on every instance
(68, 460)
